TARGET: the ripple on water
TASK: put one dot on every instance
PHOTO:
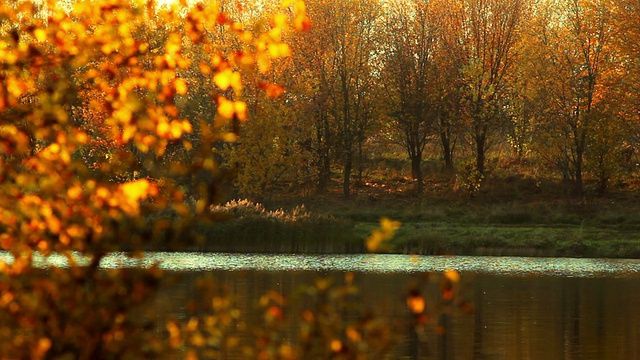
(377, 263)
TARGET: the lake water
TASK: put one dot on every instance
(523, 308)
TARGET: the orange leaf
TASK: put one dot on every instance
(336, 345)
(416, 304)
(302, 23)
(274, 91)
(452, 275)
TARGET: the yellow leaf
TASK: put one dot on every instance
(180, 85)
(40, 34)
(226, 108)
(162, 129)
(264, 62)
(223, 79)
(174, 44)
(280, 20)
(389, 225)
(452, 275)
(81, 137)
(136, 190)
(128, 131)
(230, 137)
(228, 78)
(275, 34)
(176, 129)
(186, 126)
(383, 233)
(374, 240)
(240, 108)
(279, 50)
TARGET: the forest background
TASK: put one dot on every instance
(473, 122)
(463, 92)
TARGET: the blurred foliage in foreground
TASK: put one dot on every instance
(110, 112)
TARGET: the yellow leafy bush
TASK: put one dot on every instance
(95, 128)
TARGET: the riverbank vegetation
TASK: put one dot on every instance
(434, 227)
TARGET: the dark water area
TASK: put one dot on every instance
(565, 312)
(523, 308)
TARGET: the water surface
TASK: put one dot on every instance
(365, 263)
(524, 308)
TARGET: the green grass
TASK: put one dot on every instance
(430, 227)
(531, 240)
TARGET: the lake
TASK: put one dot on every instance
(523, 308)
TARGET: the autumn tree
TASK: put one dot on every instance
(574, 71)
(449, 59)
(270, 156)
(313, 89)
(411, 72)
(627, 17)
(353, 106)
(63, 72)
(339, 68)
(492, 30)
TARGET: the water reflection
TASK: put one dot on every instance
(515, 317)
(525, 308)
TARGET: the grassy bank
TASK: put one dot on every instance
(430, 228)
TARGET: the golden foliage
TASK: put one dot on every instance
(95, 128)
(384, 233)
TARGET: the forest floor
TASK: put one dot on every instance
(509, 217)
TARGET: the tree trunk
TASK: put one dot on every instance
(416, 171)
(346, 180)
(360, 163)
(324, 163)
(324, 171)
(447, 151)
(480, 154)
(577, 185)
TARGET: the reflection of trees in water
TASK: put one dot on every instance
(367, 313)
(514, 317)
